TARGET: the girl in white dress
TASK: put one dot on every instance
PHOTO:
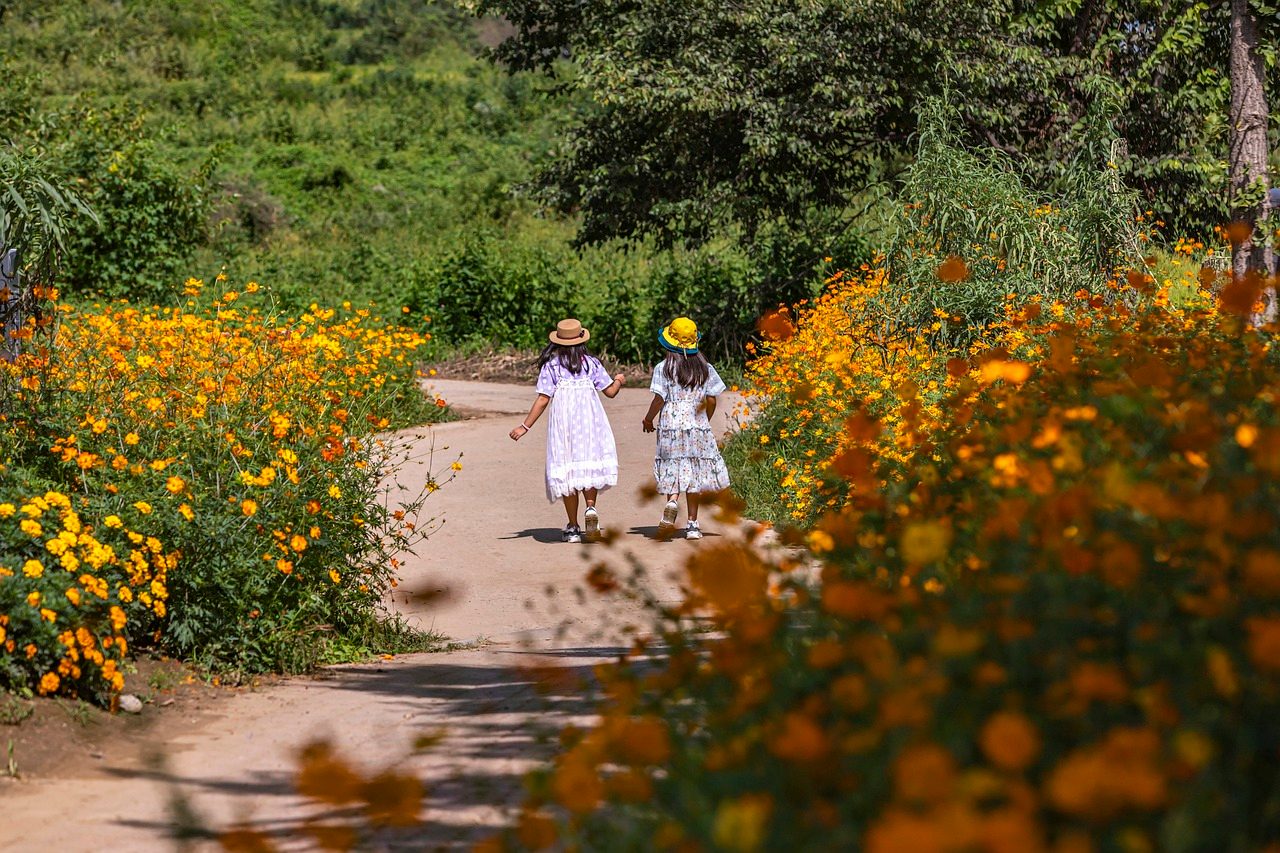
(581, 455)
(685, 387)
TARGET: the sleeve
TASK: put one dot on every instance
(599, 376)
(715, 385)
(547, 380)
(659, 383)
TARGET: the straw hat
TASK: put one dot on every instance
(680, 335)
(569, 333)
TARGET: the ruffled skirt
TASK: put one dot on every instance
(688, 460)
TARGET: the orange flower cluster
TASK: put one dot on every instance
(68, 591)
(216, 469)
(1052, 623)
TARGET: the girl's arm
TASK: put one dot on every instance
(709, 405)
(535, 411)
(614, 387)
(655, 406)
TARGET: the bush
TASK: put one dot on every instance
(974, 205)
(150, 216)
(235, 461)
(1053, 625)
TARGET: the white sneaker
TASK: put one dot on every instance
(571, 533)
(668, 523)
(592, 522)
(691, 531)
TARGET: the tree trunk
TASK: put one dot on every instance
(1249, 146)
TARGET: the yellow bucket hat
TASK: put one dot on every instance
(680, 335)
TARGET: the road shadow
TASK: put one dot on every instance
(651, 532)
(547, 535)
(499, 716)
(537, 534)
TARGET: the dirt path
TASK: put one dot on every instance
(511, 585)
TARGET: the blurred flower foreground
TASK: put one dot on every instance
(1036, 604)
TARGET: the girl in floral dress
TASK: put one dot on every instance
(581, 455)
(688, 460)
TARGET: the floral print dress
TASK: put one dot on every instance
(688, 459)
(581, 453)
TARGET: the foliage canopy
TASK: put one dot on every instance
(705, 113)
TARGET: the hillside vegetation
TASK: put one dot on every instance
(357, 150)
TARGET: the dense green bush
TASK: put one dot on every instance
(150, 215)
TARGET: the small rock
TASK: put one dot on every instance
(166, 703)
(97, 755)
(130, 704)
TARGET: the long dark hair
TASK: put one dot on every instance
(572, 358)
(689, 370)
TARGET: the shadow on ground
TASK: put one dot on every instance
(499, 721)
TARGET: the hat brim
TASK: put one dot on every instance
(570, 342)
(670, 345)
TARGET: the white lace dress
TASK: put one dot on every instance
(581, 453)
(688, 459)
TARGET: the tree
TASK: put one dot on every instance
(753, 113)
(1249, 148)
(760, 112)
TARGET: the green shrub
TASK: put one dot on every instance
(974, 205)
(150, 216)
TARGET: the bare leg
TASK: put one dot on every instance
(590, 495)
(692, 499)
(571, 507)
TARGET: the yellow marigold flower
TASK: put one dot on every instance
(740, 824)
(7, 510)
(175, 485)
(924, 542)
(820, 542)
(457, 466)
(335, 492)
(49, 683)
(285, 566)
(298, 543)
(142, 507)
(249, 506)
(48, 615)
(113, 521)
(334, 576)
(131, 438)
(186, 512)
(31, 528)
(33, 568)
(73, 595)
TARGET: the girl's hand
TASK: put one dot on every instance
(620, 378)
(519, 432)
(648, 424)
